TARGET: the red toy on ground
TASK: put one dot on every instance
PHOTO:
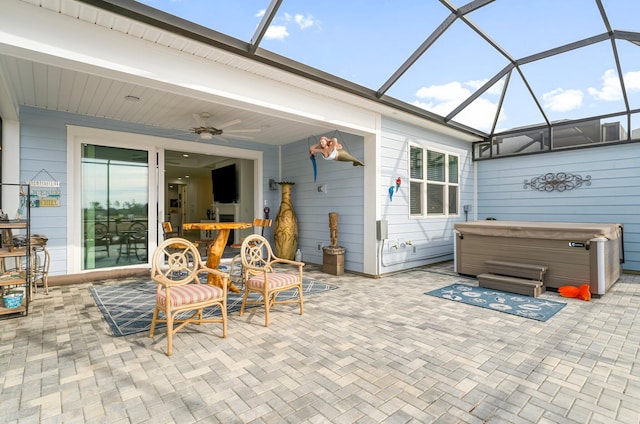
(581, 292)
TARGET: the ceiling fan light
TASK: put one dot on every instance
(206, 136)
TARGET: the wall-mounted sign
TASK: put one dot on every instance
(44, 193)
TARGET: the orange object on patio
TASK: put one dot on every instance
(216, 247)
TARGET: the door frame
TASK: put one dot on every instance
(155, 146)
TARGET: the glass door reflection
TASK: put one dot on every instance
(115, 205)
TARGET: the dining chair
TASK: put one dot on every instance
(236, 272)
(133, 242)
(182, 292)
(257, 222)
(262, 278)
(168, 231)
(138, 240)
(98, 234)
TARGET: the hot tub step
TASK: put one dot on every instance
(512, 284)
(515, 269)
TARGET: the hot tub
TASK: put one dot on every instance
(575, 253)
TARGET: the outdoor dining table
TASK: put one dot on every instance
(216, 247)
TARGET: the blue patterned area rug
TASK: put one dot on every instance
(128, 307)
(510, 303)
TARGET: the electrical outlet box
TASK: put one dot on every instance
(319, 245)
(381, 229)
(321, 188)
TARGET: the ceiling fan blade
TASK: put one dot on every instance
(238, 136)
(228, 124)
(246, 130)
(221, 138)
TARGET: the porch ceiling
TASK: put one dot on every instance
(52, 87)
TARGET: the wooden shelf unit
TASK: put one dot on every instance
(18, 278)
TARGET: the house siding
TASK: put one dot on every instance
(345, 187)
(426, 240)
(613, 195)
(43, 147)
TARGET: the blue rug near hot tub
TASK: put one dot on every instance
(510, 303)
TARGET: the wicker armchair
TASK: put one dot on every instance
(236, 272)
(260, 277)
(181, 289)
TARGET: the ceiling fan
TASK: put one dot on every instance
(206, 130)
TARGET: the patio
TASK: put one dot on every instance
(374, 350)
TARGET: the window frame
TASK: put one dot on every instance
(424, 183)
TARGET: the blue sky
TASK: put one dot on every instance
(365, 41)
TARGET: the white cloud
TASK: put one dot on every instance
(438, 108)
(304, 22)
(276, 32)
(479, 114)
(457, 91)
(610, 90)
(495, 89)
(442, 99)
(632, 81)
(453, 91)
(260, 13)
(281, 31)
(561, 100)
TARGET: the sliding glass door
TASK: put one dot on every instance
(115, 206)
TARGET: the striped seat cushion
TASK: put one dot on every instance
(276, 279)
(189, 294)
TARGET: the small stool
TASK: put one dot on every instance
(40, 261)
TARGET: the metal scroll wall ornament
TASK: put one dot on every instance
(559, 182)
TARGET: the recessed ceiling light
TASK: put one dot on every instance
(185, 155)
(132, 98)
(186, 176)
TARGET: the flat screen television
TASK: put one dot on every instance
(224, 184)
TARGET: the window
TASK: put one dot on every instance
(436, 191)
